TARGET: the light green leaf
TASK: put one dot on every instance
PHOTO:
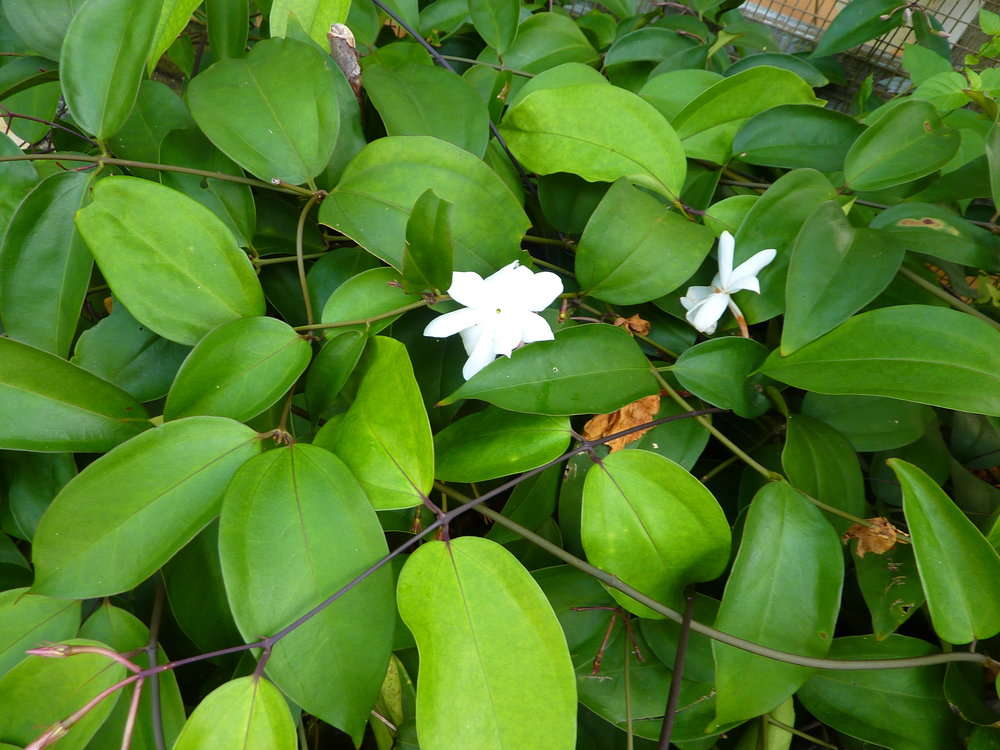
(314, 16)
(103, 59)
(496, 21)
(567, 74)
(385, 437)
(783, 592)
(174, 16)
(47, 404)
(170, 260)
(562, 377)
(295, 527)
(959, 569)
(245, 714)
(993, 157)
(272, 129)
(598, 132)
(671, 92)
(370, 293)
(29, 620)
(372, 202)
(129, 511)
(652, 524)
(41, 23)
(930, 355)
(466, 602)
(720, 371)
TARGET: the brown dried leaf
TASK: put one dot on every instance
(634, 324)
(631, 415)
(879, 538)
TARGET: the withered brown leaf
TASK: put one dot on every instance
(630, 415)
(879, 538)
(634, 324)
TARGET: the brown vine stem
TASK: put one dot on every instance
(677, 675)
(470, 61)
(282, 187)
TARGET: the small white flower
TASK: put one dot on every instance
(500, 312)
(706, 304)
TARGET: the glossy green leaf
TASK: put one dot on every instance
(295, 527)
(682, 441)
(959, 569)
(671, 92)
(857, 22)
(545, 40)
(801, 67)
(834, 271)
(531, 504)
(797, 135)
(29, 620)
(33, 480)
(727, 214)
(273, 130)
(47, 404)
(330, 370)
(903, 709)
(563, 377)
(24, 72)
(496, 443)
(333, 269)
(44, 265)
(129, 511)
(567, 74)
(122, 351)
(907, 143)
(174, 16)
(821, 462)
(870, 423)
(17, 178)
(67, 684)
(930, 355)
(993, 157)
(427, 259)
(247, 713)
(789, 561)
(466, 602)
(621, 257)
(372, 202)
(774, 221)
(157, 111)
(103, 59)
(385, 438)
(41, 23)
(652, 524)
(890, 585)
(370, 293)
(314, 16)
(446, 107)
(238, 370)
(719, 371)
(125, 633)
(934, 230)
(496, 21)
(598, 132)
(170, 260)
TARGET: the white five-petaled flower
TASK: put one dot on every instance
(706, 304)
(500, 312)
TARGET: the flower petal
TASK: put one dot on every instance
(535, 328)
(470, 337)
(541, 291)
(469, 289)
(696, 294)
(705, 315)
(451, 323)
(744, 276)
(508, 284)
(726, 246)
(480, 356)
(506, 334)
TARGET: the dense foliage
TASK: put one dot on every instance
(477, 375)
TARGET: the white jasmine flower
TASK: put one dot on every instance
(706, 304)
(500, 312)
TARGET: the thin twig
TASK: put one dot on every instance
(155, 618)
(677, 676)
(944, 295)
(300, 258)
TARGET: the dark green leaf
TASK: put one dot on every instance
(29, 620)
(228, 26)
(797, 135)
(157, 111)
(33, 480)
(993, 156)
(870, 423)
(17, 178)
(427, 259)
(496, 21)
(890, 585)
(330, 369)
(933, 230)
(545, 40)
(857, 22)
(802, 68)
(682, 441)
(719, 371)
(24, 72)
(41, 23)
(531, 504)
(370, 293)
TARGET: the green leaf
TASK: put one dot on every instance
(171, 262)
(562, 377)
(295, 527)
(801, 67)
(719, 371)
(545, 40)
(157, 111)
(466, 602)
(930, 355)
(903, 709)
(314, 16)
(24, 72)
(531, 504)
(41, 23)
(17, 178)
(783, 592)
(993, 157)
(620, 257)
(797, 135)
(496, 21)
(707, 125)
(272, 129)
(103, 59)
(774, 221)
(653, 525)
(228, 27)
(821, 462)
(427, 259)
(495, 443)
(128, 512)
(330, 369)
(238, 370)
(934, 230)
(959, 569)
(47, 404)
(567, 74)
(834, 271)
(44, 265)
(29, 620)
(945, 91)
(372, 202)
(869, 422)
(33, 480)
(418, 99)
(857, 22)
(67, 685)
(682, 441)
(174, 16)
(370, 293)
(890, 585)
(671, 92)
(385, 437)
(904, 145)
(598, 132)
(244, 714)
(922, 63)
